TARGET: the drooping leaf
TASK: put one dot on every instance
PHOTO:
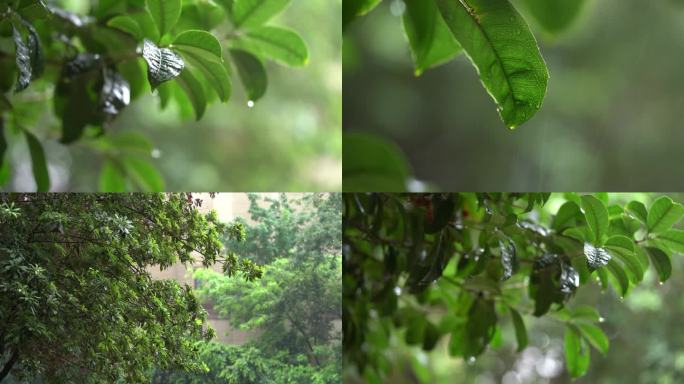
(115, 94)
(430, 336)
(253, 13)
(3, 142)
(371, 164)
(661, 262)
(500, 45)
(146, 24)
(508, 258)
(38, 162)
(252, 73)
(597, 217)
(596, 257)
(23, 60)
(163, 64)
(165, 14)
(480, 327)
(193, 88)
(664, 213)
(566, 216)
(77, 95)
(202, 43)
(215, 73)
(595, 336)
(112, 177)
(275, 43)
(576, 353)
(430, 39)
(553, 280)
(35, 50)
(520, 331)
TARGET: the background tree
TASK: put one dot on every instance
(421, 267)
(76, 301)
(91, 64)
(295, 306)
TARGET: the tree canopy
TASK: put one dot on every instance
(77, 303)
(458, 267)
(295, 306)
(88, 66)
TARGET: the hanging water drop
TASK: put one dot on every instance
(601, 319)
(250, 104)
(156, 153)
(660, 283)
(471, 360)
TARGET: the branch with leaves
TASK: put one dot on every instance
(428, 267)
(90, 67)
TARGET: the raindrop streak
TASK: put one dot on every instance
(250, 104)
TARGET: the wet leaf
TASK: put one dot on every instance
(596, 257)
(115, 94)
(502, 48)
(508, 259)
(23, 60)
(163, 64)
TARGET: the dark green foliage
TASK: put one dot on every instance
(94, 65)
(77, 303)
(452, 266)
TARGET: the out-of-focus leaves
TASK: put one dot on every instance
(480, 328)
(554, 16)
(501, 46)
(371, 164)
(143, 173)
(38, 162)
(163, 64)
(112, 177)
(595, 336)
(553, 280)
(126, 24)
(352, 9)
(520, 331)
(576, 353)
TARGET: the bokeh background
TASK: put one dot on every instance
(289, 141)
(611, 120)
(644, 329)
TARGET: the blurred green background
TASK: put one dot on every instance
(644, 329)
(611, 120)
(289, 141)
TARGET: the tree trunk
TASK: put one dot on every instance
(8, 366)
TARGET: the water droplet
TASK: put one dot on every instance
(601, 319)
(397, 290)
(660, 283)
(471, 360)
(156, 153)
(250, 104)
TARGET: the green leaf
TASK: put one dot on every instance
(38, 161)
(638, 210)
(585, 313)
(596, 257)
(430, 336)
(143, 173)
(480, 328)
(430, 39)
(520, 331)
(576, 353)
(620, 276)
(253, 13)
(215, 73)
(500, 45)
(371, 164)
(664, 214)
(165, 14)
(252, 73)
(352, 9)
(163, 64)
(126, 24)
(622, 248)
(673, 239)
(193, 88)
(595, 336)
(597, 217)
(566, 216)
(279, 44)
(203, 44)
(146, 24)
(3, 142)
(661, 262)
(112, 177)
(554, 16)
